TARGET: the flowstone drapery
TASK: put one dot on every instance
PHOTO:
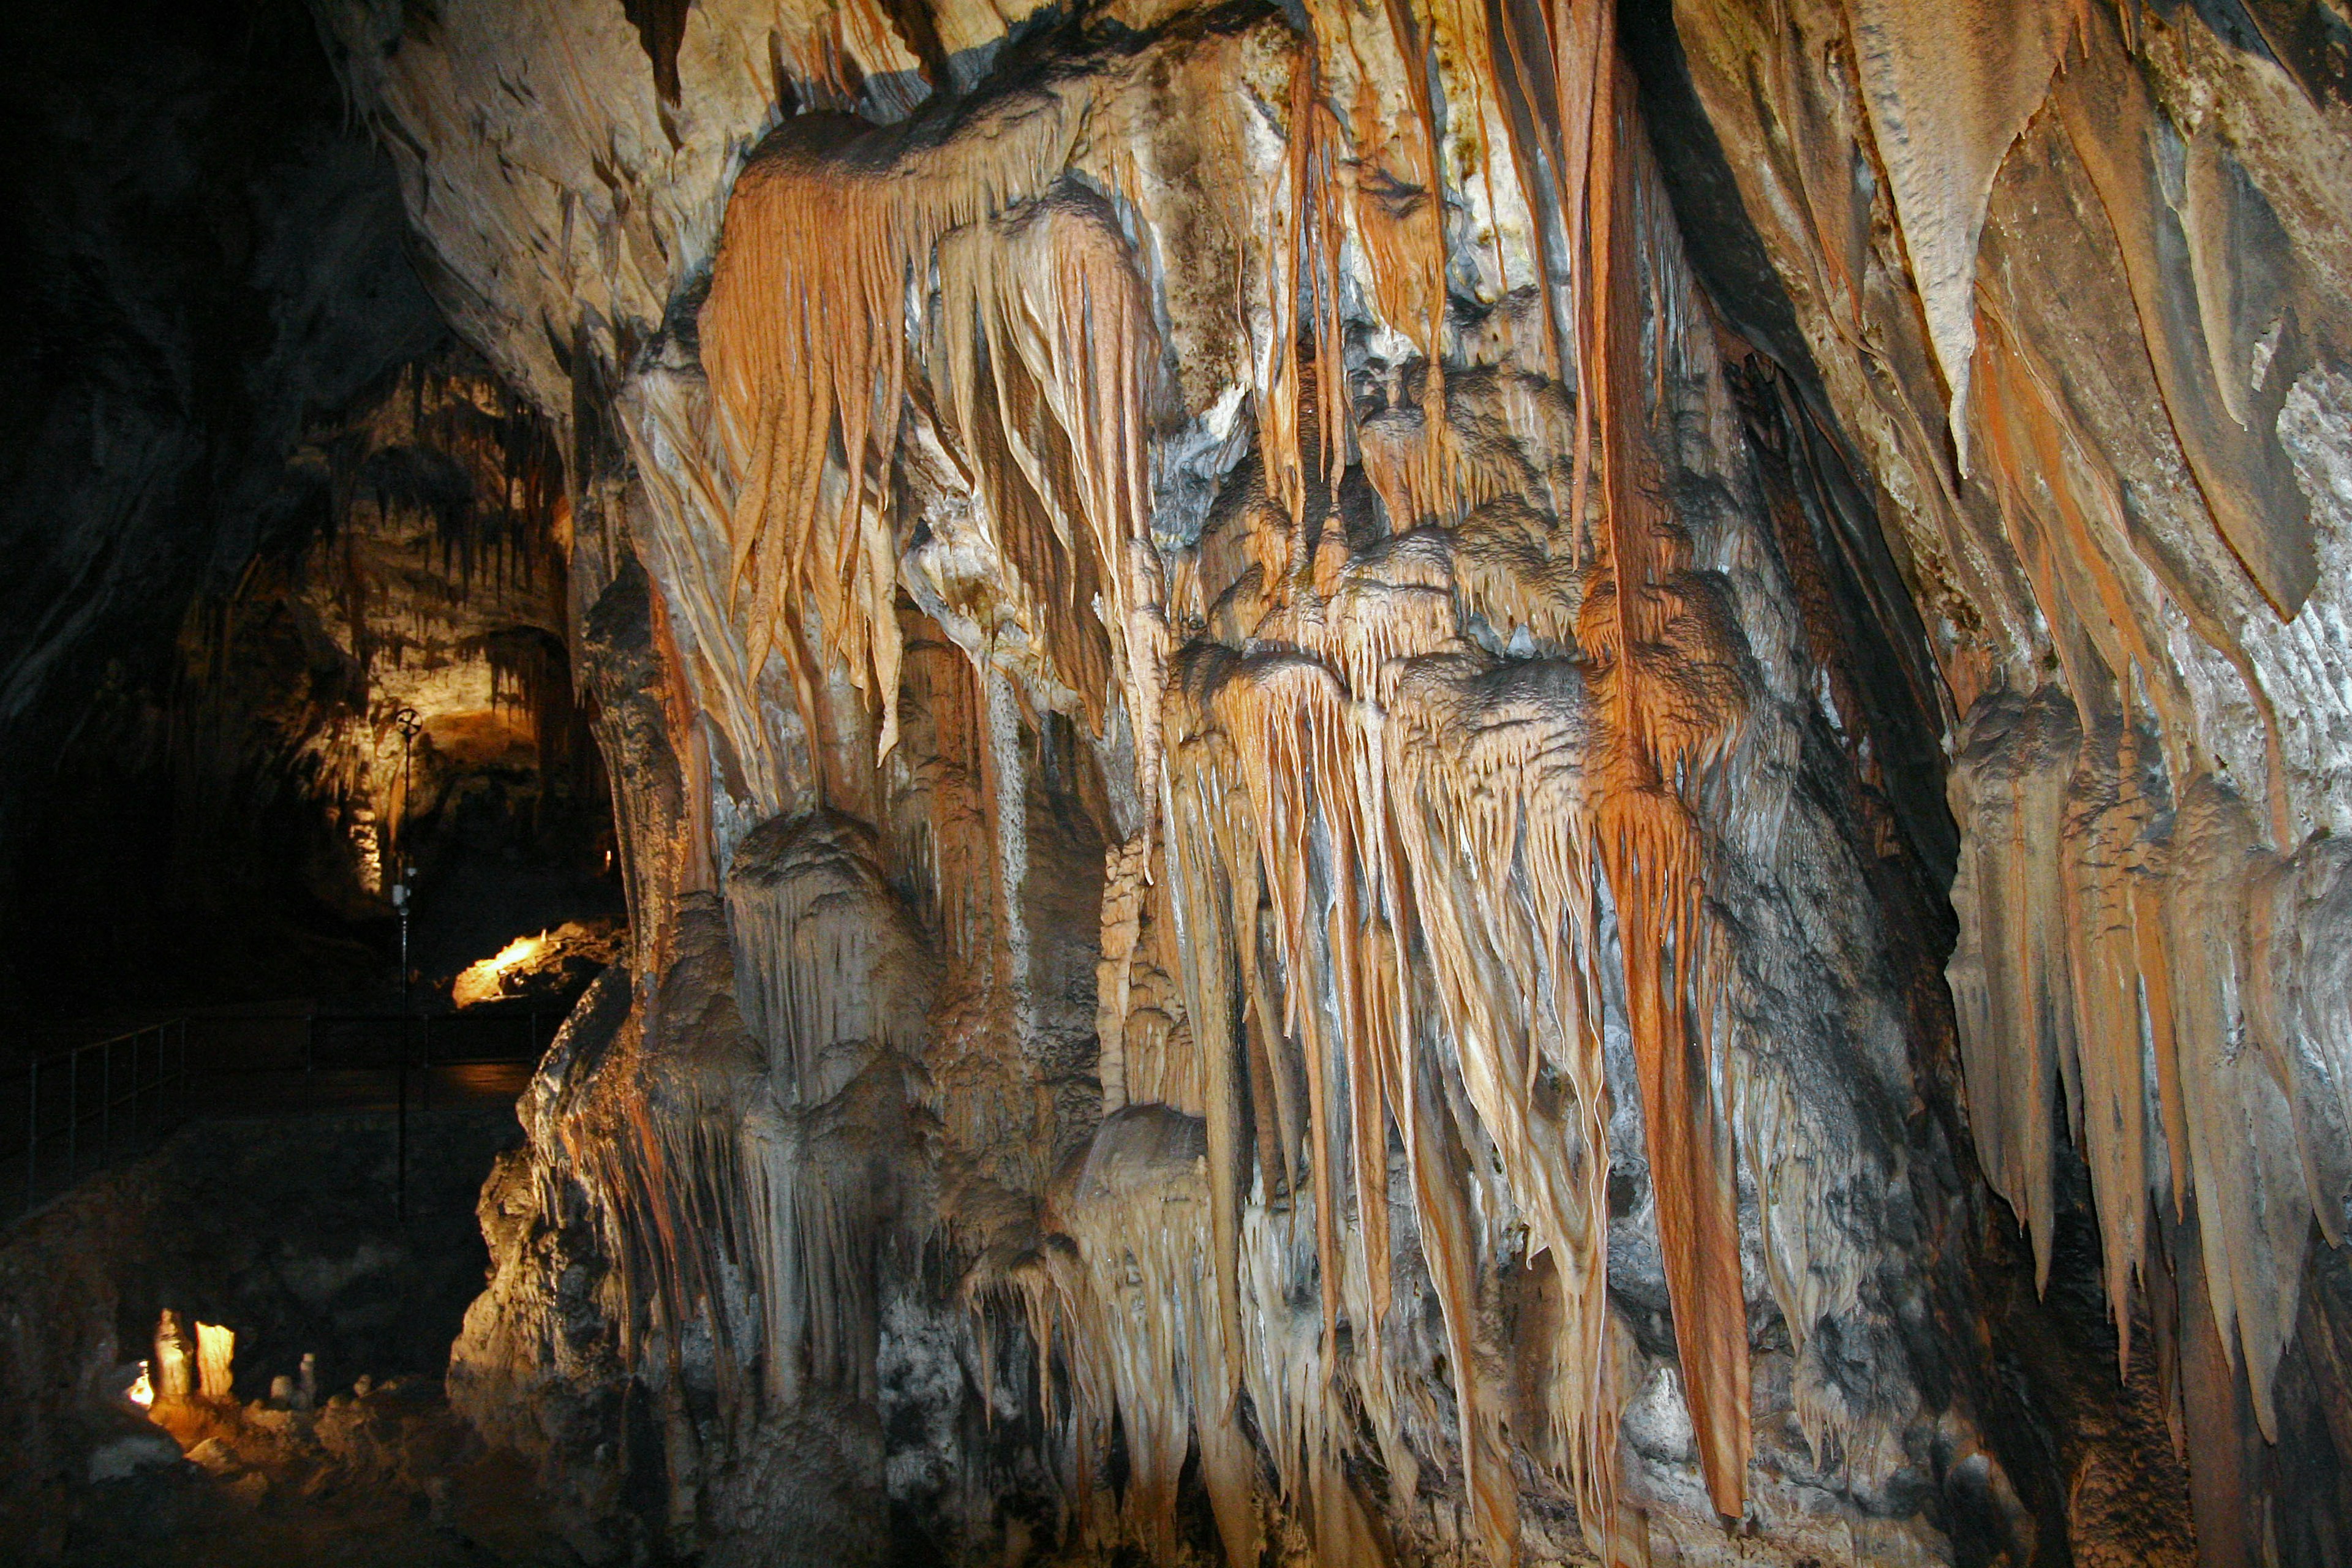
(1279, 791)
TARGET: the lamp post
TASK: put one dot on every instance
(401, 890)
(403, 896)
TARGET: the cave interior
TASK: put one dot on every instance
(1232, 782)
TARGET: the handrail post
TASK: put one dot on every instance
(106, 1099)
(147, 1099)
(400, 1152)
(32, 1135)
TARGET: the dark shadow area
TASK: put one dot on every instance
(287, 1230)
(257, 506)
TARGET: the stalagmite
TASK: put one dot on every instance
(176, 1359)
(215, 1362)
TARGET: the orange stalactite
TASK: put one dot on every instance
(1328, 750)
(1358, 776)
(1647, 843)
(2109, 949)
(1042, 331)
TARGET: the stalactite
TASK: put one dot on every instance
(811, 921)
(937, 831)
(1378, 771)
(1331, 751)
(2122, 580)
(1126, 1210)
(792, 383)
(1948, 91)
(1055, 300)
(1648, 842)
(2008, 796)
(1491, 719)
(2102, 875)
(743, 1173)
(681, 454)
(1037, 300)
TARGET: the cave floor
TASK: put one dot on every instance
(466, 1086)
(391, 1478)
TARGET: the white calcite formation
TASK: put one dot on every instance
(1278, 788)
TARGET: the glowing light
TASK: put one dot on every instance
(140, 1392)
(215, 1360)
(367, 847)
(483, 980)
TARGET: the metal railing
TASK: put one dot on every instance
(80, 1108)
(312, 1040)
(402, 1046)
(68, 1114)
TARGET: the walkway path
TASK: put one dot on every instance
(236, 1095)
(113, 1100)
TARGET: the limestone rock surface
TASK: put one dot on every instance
(1387, 773)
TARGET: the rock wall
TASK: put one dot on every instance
(2094, 367)
(388, 684)
(205, 255)
(437, 588)
(1279, 787)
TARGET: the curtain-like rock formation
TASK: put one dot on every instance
(2124, 534)
(1276, 782)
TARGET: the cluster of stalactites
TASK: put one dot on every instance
(1040, 347)
(1277, 755)
(1386, 948)
(1422, 865)
(2136, 934)
(2123, 940)
(812, 924)
(2145, 957)
(1129, 1314)
(739, 1156)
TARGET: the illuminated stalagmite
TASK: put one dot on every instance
(1279, 791)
